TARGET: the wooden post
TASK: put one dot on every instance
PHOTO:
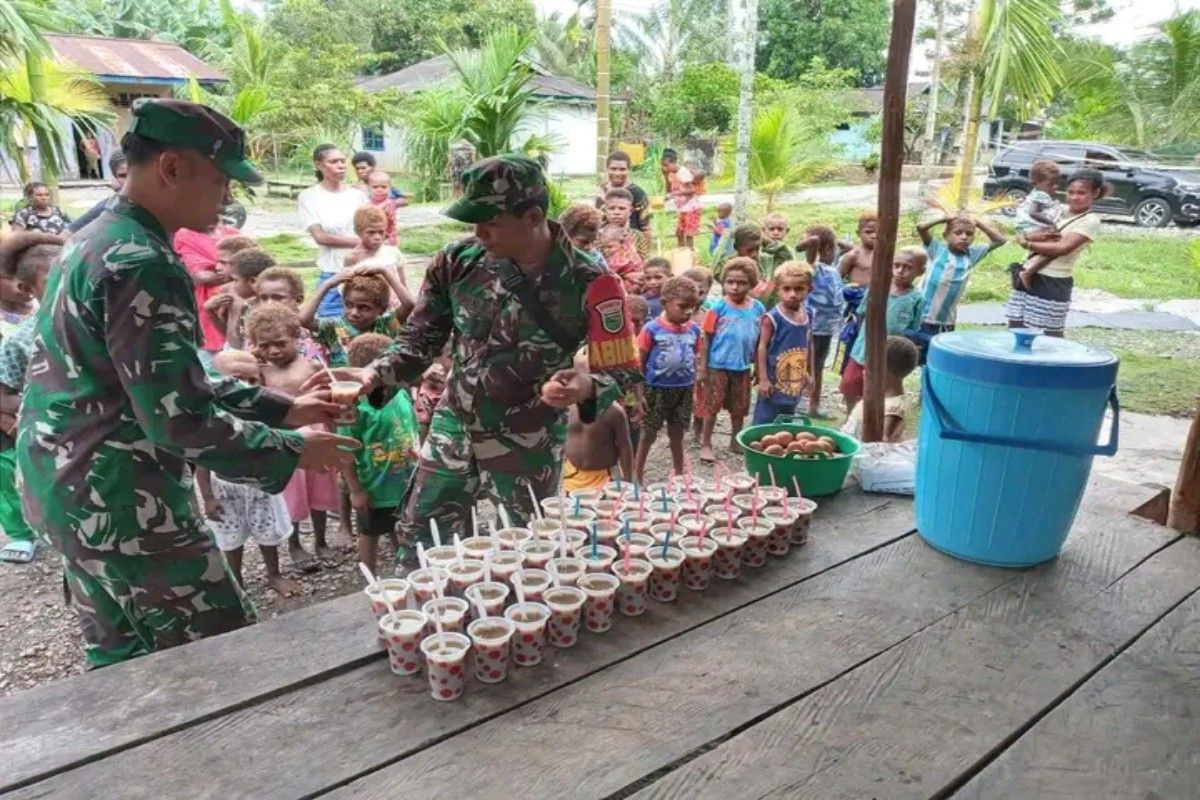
(895, 88)
(603, 85)
(746, 33)
(1184, 515)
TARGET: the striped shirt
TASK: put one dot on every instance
(946, 280)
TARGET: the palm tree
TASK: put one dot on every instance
(36, 93)
(21, 26)
(677, 31)
(1010, 53)
(782, 156)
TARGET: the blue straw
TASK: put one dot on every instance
(636, 494)
(664, 497)
(666, 543)
(577, 505)
(595, 543)
(627, 529)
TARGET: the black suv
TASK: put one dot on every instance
(1151, 193)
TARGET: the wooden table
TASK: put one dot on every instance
(864, 665)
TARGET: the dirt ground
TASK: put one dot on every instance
(39, 635)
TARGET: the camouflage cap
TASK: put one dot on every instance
(494, 185)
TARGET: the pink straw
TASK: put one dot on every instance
(628, 559)
(728, 521)
(703, 530)
(754, 509)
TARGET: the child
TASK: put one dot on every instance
(703, 279)
(639, 312)
(783, 370)
(230, 307)
(720, 227)
(775, 229)
(238, 511)
(731, 336)
(668, 165)
(668, 345)
(951, 263)
(427, 395)
(1039, 212)
(594, 448)
(621, 256)
(687, 204)
(273, 331)
(387, 427)
(581, 223)
(901, 359)
(365, 301)
(618, 209)
(25, 260)
(379, 192)
(655, 273)
(283, 285)
(16, 304)
(904, 313)
(826, 306)
(855, 264)
(370, 226)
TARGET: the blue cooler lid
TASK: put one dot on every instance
(1022, 358)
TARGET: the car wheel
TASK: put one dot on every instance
(1011, 199)
(1153, 212)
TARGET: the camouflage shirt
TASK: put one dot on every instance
(116, 399)
(501, 356)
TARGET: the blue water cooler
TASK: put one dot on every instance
(1009, 426)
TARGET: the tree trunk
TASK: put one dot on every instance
(1184, 515)
(890, 163)
(47, 157)
(603, 83)
(931, 111)
(966, 167)
(749, 25)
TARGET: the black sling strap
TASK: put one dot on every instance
(512, 279)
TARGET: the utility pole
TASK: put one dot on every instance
(746, 36)
(603, 83)
(895, 87)
(931, 111)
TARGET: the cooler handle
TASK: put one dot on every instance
(948, 430)
(783, 419)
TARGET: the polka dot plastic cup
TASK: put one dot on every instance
(692, 523)
(442, 556)
(618, 490)
(402, 632)
(631, 595)
(780, 541)
(600, 561)
(513, 538)
(659, 532)
(638, 522)
(715, 498)
(772, 495)
(655, 491)
(492, 594)
(581, 521)
(804, 509)
(491, 639)
(746, 503)
(607, 531)
(569, 569)
(538, 552)
(601, 590)
(505, 563)
(661, 511)
(608, 508)
(463, 574)
(566, 610)
(426, 583)
(529, 641)
(446, 660)
(738, 483)
(552, 505)
(727, 561)
(754, 554)
(665, 574)
(693, 506)
(638, 544)
(696, 570)
(476, 546)
(586, 497)
(533, 583)
(395, 590)
(545, 528)
(452, 611)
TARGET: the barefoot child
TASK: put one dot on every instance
(951, 263)
(238, 512)
(283, 285)
(230, 306)
(379, 192)
(618, 211)
(826, 307)
(427, 395)
(365, 310)
(775, 230)
(639, 313)
(720, 228)
(904, 313)
(387, 428)
(581, 223)
(1039, 212)
(687, 205)
(703, 278)
(727, 355)
(621, 256)
(668, 345)
(593, 449)
(372, 251)
(783, 342)
(855, 264)
(655, 273)
(901, 360)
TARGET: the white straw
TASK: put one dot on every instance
(494, 534)
(479, 606)
(562, 542)
(366, 571)
(516, 582)
(421, 559)
(553, 574)
(537, 508)
(474, 522)
(487, 567)
(504, 517)
(433, 530)
(458, 549)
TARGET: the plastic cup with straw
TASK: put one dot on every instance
(504, 519)
(595, 543)
(562, 543)
(433, 531)
(421, 559)
(487, 567)
(537, 508)
(495, 535)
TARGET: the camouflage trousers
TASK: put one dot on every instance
(166, 590)
(454, 473)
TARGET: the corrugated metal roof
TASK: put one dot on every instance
(131, 58)
(433, 71)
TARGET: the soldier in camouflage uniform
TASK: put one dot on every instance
(117, 404)
(501, 424)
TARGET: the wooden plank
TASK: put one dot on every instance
(910, 723)
(63, 724)
(1184, 514)
(601, 735)
(1129, 732)
(374, 717)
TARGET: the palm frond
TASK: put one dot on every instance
(1021, 53)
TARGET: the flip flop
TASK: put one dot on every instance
(18, 552)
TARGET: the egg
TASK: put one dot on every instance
(796, 447)
(775, 450)
(757, 446)
(807, 436)
(785, 438)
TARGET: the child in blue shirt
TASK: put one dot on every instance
(826, 305)
(668, 345)
(731, 331)
(783, 370)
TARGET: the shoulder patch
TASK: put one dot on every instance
(610, 334)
